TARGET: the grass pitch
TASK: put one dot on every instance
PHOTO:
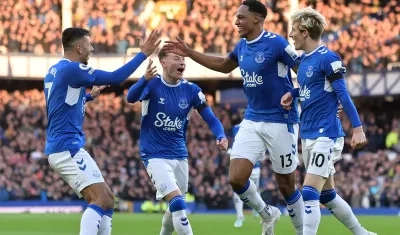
(149, 224)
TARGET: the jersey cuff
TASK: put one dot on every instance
(88, 97)
(295, 92)
(233, 57)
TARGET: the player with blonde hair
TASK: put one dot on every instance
(322, 86)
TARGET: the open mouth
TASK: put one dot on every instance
(181, 70)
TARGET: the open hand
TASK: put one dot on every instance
(151, 71)
(177, 47)
(151, 43)
(96, 91)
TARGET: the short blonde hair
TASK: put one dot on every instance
(310, 20)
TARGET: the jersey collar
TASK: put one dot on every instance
(316, 49)
(170, 85)
(256, 39)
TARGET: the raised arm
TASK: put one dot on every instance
(140, 90)
(83, 75)
(216, 63)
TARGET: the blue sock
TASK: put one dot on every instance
(177, 203)
(181, 223)
(249, 195)
(244, 189)
(342, 211)
(109, 213)
(312, 215)
(293, 198)
(327, 196)
(96, 208)
(295, 207)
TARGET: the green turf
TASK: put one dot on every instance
(149, 224)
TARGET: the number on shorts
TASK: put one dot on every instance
(318, 159)
(288, 161)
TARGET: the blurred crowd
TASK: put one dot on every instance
(366, 33)
(367, 178)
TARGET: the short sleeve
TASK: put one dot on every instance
(333, 67)
(286, 53)
(233, 55)
(199, 99)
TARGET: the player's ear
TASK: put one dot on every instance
(162, 62)
(257, 19)
(305, 33)
(79, 47)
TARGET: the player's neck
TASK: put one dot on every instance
(71, 57)
(169, 80)
(253, 35)
(311, 46)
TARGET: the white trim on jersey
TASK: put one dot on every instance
(72, 96)
(189, 113)
(258, 38)
(316, 49)
(145, 107)
(282, 69)
(169, 85)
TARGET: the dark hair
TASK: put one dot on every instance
(161, 54)
(256, 7)
(70, 35)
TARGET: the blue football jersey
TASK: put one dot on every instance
(166, 110)
(265, 64)
(235, 130)
(319, 103)
(65, 93)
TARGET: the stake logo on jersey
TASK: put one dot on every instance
(305, 93)
(65, 92)
(318, 101)
(264, 65)
(251, 80)
(166, 110)
(167, 123)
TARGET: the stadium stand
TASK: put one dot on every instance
(366, 34)
(206, 27)
(30, 26)
(26, 174)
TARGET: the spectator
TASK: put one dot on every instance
(112, 134)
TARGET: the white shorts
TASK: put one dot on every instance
(320, 155)
(255, 176)
(79, 171)
(168, 175)
(253, 138)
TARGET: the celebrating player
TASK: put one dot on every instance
(64, 88)
(255, 177)
(264, 59)
(167, 104)
(322, 85)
